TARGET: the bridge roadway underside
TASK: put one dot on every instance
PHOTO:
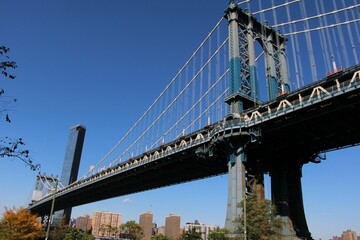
(178, 168)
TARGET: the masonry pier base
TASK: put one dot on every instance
(287, 196)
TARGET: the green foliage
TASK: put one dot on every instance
(161, 237)
(261, 221)
(59, 232)
(64, 232)
(191, 234)
(131, 230)
(20, 224)
(76, 234)
(219, 234)
(13, 149)
(108, 230)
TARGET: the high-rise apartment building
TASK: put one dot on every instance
(146, 222)
(84, 223)
(172, 226)
(71, 165)
(201, 228)
(96, 223)
(102, 221)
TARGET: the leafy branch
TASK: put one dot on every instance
(8, 147)
(5, 65)
(13, 149)
(4, 68)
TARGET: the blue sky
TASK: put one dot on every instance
(101, 64)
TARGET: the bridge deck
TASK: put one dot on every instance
(320, 117)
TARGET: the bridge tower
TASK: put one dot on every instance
(242, 95)
(243, 172)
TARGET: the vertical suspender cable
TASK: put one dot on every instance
(309, 42)
(182, 101)
(158, 132)
(218, 69)
(323, 40)
(209, 79)
(298, 55)
(248, 5)
(186, 93)
(293, 45)
(328, 37)
(180, 94)
(351, 35)
(175, 109)
(209, 90)
(201, 81)
(220, 110)
(337, 48)
(168, 117)
(179, 109)
(193, 91)
(341, 36)
(353, 14)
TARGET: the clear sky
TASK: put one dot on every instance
(101, 64)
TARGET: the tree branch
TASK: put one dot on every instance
(12, 149)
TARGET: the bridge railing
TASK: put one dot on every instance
(180, 144)
(327, 88)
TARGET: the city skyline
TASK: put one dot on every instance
(204, 228)
(110, 54)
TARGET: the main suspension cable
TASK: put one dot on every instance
(316, 16)
(324, 27)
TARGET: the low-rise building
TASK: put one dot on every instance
(201, 228)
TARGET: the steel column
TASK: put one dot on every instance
(252, 64)
(271, 73)
(285, 82)
(236, 187)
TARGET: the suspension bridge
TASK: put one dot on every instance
(272, 87)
